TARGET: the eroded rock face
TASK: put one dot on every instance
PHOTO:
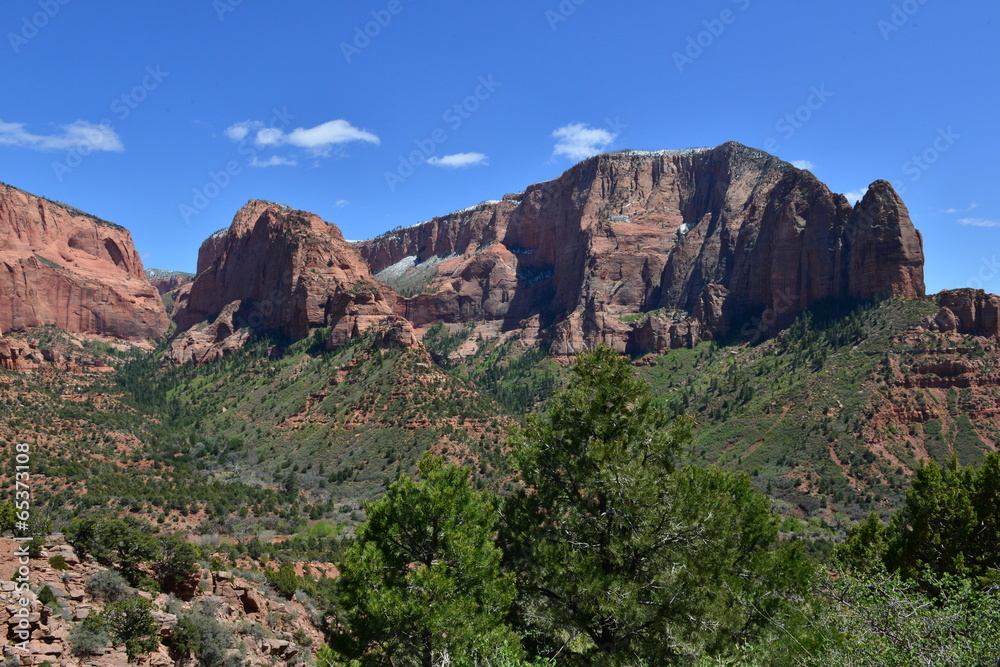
(692, 238)
(275, 269)
(61, 267)
(396, 332)
(21, 355)
(967, 311)
(168, 281)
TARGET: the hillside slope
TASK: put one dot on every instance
(836, 412)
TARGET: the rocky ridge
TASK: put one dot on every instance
(65, 268)
(278, 270)
(650, 251)
(168, 281)
(967, 311)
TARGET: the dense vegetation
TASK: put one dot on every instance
(518, 378)
(265, 440)
(621, 554)
(821, 412)
(626, 522)
(336, 425)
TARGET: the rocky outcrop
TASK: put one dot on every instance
(211, 341)
(967, 311)
(62, 267)
(650, 250)
(260, 630)
(26, 355)
(395, 332)
(168, 281)
(275, 270)
(22, 355)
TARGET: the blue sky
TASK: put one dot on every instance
(166, 117)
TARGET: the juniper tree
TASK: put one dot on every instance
(625, 556)
(422, 583)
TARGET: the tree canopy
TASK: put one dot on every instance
(625, 556)
(423, 581)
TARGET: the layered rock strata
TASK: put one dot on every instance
(62, 267)
(275, 270)
(646, 251)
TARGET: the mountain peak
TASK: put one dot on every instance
(679, 241)
(279, 270)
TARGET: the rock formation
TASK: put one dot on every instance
(646, 251)
(276, 270)
(168, 281)
(62, 267)
(267, 629)
(967, 311)
(20, 355)
(643, 251)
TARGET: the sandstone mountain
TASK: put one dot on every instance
(643, 251)
(65, 268)
(647, 251)
(168, 281)
(276, 270)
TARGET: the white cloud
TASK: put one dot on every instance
(273, 161)
(803, 164)
(80, 135)
(269, 136)
(329, 134)
(239, 131)
(341, 203)
(318, 140)
(952, 211)
(979, 222)
(854, 196)
(577, 141)
(459, 160)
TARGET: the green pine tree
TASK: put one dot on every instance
(624, 557)
(130, 623)
(950, 522)
(422, 583)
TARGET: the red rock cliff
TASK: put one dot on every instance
(646, 251)
(275, 269)
(62, 267)
(168, 281)
(967, 311)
